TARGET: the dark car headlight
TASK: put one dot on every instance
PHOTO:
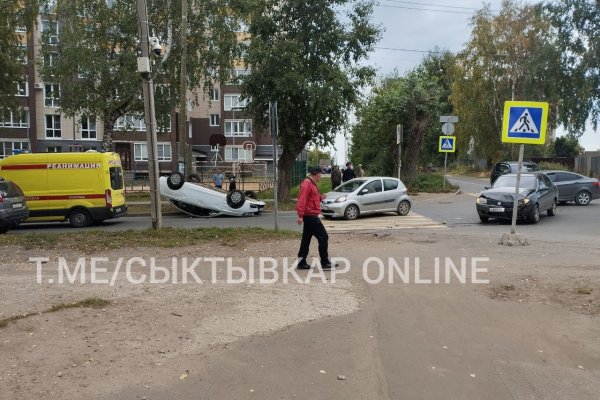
(481, 200)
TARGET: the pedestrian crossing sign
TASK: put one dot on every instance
(447, 144)
(524, 122)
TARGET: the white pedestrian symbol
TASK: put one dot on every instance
(447, 145)
(524, 124)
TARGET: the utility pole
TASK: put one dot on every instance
(183, 129)
(149, 115)
(399, 138)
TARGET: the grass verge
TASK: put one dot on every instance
(429, 183)
(98, 240)
(90, 302)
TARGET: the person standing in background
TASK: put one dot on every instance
(348, 172)
(336, 177)
(360, 172)
(218, 180)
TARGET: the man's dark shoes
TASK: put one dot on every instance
(328, 266)
(303, 266)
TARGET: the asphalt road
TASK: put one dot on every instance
(454, 211)
(572, 223)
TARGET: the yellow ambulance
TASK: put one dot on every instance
(79, 187)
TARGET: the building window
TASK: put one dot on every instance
(50, 31)
(238, 128)
(17, 119)
(52, 95)
(215, 119)
(54, 149)
(237, 153)
(22, 55)
(140, 151)
(214, 95)
(88, 127)
(50, 59)
(131, 122)
(23, 88)
(8, 148)
(53, 126)
(234, 102)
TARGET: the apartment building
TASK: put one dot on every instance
(41, 127)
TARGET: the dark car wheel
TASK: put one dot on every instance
(80, 218)
(534, 217)
(175, 181)
(483, 218)
(352, 212)
(235, 199)
(251, 194)
(583, 198)
(552, 211)
(403, 208)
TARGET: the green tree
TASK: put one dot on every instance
(576, 26)
(316, 155)
(15, 17)
(415, 101)
(95, 59)
(566, 146)
(306, 55)
(510, 56)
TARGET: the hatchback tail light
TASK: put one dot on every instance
(1, 198)
(597, 184)
(108, 198)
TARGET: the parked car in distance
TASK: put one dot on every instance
(361, 196)
(574, 187)
(201, 200)
(13, 208)
(511, 167)
(537, 193)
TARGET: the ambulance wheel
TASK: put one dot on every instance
(235, 199)
(79, 218)
(175, 181)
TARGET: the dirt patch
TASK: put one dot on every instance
(580, 294)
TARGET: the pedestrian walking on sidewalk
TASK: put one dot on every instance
(308, 208)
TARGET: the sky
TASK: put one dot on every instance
(411, 28)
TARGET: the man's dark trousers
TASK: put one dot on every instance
(313, 227)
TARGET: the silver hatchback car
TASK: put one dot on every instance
(361, 196)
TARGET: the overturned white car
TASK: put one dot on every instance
(201, 200)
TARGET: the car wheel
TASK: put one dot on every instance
(483, 218)
(175, 181)
(583, 198)
(235, 199)
(80, 218)
(403, 208)
(351, 212)
(552, 211)
(251, 194)
(534, 217)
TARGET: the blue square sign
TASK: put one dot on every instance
(524, 122)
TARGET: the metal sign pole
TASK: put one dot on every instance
(513, 227)
(399, 143)
(274, 134)
(445, 163)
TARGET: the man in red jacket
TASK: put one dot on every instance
(308, 208)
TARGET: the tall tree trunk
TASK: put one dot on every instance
(285, 164)
(410, 161)
(109, 126)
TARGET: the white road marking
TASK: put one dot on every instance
(384, 222)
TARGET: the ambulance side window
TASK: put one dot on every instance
(116, 178)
